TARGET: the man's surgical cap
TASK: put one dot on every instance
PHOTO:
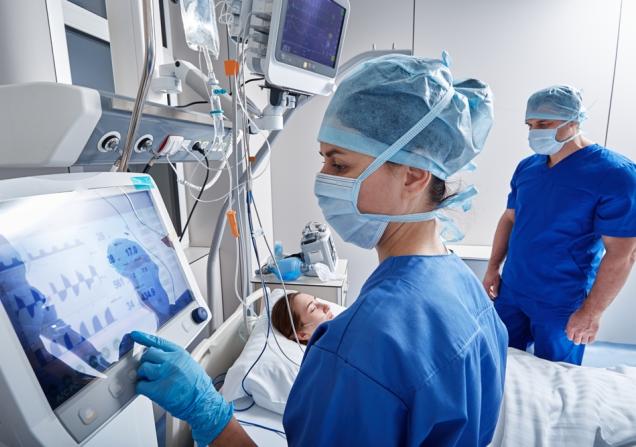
(559, 102)
(385, 97)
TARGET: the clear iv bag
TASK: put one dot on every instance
(199, 24)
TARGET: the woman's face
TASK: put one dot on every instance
(391, 189)
(311, 313)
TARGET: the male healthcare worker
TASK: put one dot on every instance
(419, 358)
(569, 204)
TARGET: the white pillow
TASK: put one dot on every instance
(270, 380)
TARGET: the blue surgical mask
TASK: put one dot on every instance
(544, 141)
(334, 198)
(338, 196)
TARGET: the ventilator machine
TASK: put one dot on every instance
(90, 255)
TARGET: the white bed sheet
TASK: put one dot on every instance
(555, 404)
(260, 416)
(518, 425)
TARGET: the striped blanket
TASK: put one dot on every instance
(557, 404)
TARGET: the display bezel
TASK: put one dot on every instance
(180, 328)
(303, 63)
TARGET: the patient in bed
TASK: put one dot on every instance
(545, 403)
(306, 311)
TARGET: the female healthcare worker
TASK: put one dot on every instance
(419, 358)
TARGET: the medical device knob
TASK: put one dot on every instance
(199, 315)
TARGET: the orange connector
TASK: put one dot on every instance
(231, 67)
(231, 218)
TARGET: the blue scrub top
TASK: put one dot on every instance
(561, 213)
(418, 359)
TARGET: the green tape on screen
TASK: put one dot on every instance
(142, 183)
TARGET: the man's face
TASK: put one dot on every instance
(563, 133)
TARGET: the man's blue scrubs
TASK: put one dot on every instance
(555, 247)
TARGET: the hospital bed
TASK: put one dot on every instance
(219, 352)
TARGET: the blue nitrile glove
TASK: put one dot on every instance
(169, 376)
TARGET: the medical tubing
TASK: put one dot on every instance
(269, 321)
(225, 16)
(236, 292)
(260, 158)
(263, 286)
(190, 104)
(150, 163)
(240, 97)
(219, 228)
(194, 205)
(254, 424)
(198, 149)
(235, 154)
(250, 201)
(267, 308)
(250, 198)
(216, 110)
(144, 85)
(217, 199)
(202, 187)
(289, 312)
(240, 90)
(243, 250)
(267, 302)
(243, 162)
(262, 155)
(207, 184)
(245, 169)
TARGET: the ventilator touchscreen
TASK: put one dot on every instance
(78, 272)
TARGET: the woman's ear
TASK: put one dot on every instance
(416, 180)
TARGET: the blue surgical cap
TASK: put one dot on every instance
(383, 98)
(559, 102)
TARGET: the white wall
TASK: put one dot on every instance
(618, 321)
(517, 47)
(295, 158)
(621, 129)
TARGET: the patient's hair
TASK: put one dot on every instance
(280, 317)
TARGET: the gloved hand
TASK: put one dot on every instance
(169, 376)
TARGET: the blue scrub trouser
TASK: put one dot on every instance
(529, 321)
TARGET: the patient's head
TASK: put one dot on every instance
(307, 314)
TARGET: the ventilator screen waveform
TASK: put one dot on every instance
(313, 30)
(78, 273)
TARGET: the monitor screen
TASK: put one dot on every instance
(78, 272)
(312, 31)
